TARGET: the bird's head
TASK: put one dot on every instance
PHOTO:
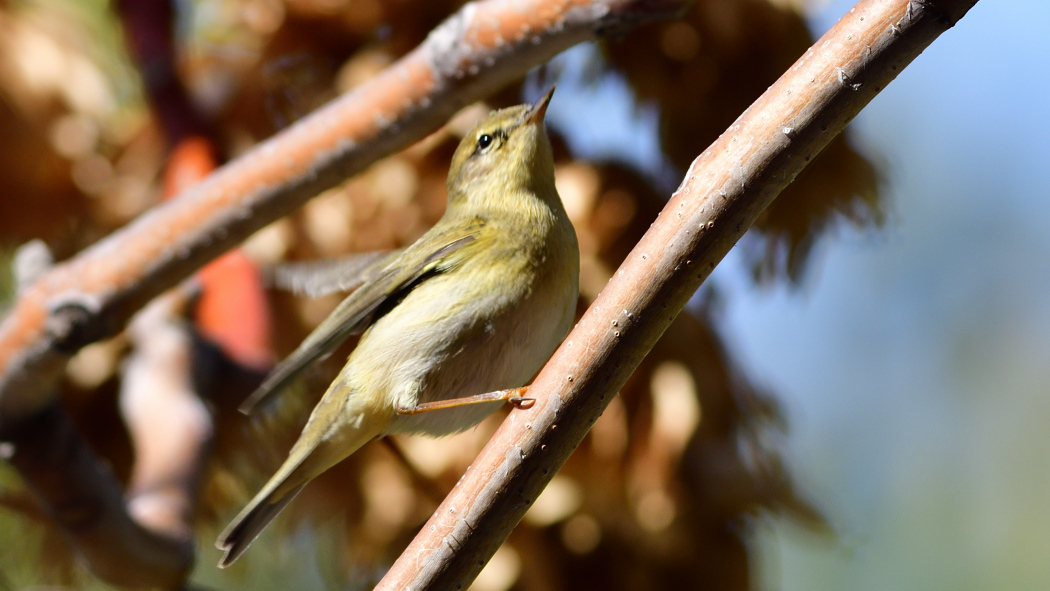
(506, 150)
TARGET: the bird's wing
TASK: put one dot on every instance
(320, 278)
(359, 310)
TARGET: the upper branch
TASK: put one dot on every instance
(480, 48)
(723, 192)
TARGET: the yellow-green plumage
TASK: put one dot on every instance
(476, 305)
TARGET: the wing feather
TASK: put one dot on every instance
(321, 278)
(355, 313)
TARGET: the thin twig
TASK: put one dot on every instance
(723, 192)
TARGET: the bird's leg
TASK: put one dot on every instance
(513, 396)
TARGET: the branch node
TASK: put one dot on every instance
(846, 80)
(74, 320)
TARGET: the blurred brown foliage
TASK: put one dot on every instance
(703, 71)
(671, 478)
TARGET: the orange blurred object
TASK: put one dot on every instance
(192, 159)
(232, 311)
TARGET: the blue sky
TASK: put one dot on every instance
(915, 362)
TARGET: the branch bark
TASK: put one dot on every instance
(725, 189)
(480, 48)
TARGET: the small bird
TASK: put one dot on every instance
(453, 326)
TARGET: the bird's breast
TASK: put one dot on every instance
(488, 325)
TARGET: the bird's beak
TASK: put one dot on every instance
(538, 110)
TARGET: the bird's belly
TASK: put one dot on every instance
(470, 356)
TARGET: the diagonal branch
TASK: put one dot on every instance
(479, 49)
(723, 192)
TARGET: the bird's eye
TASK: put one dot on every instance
(484, 142)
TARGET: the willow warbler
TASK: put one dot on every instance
(472, 308)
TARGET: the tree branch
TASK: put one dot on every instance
(723, 192)
(479, 49)
(83, 497)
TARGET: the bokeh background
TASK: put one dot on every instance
(913, 361)
(856, 399)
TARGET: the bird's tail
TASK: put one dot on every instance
(311, 456)
(250, 522)
(339, 425)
